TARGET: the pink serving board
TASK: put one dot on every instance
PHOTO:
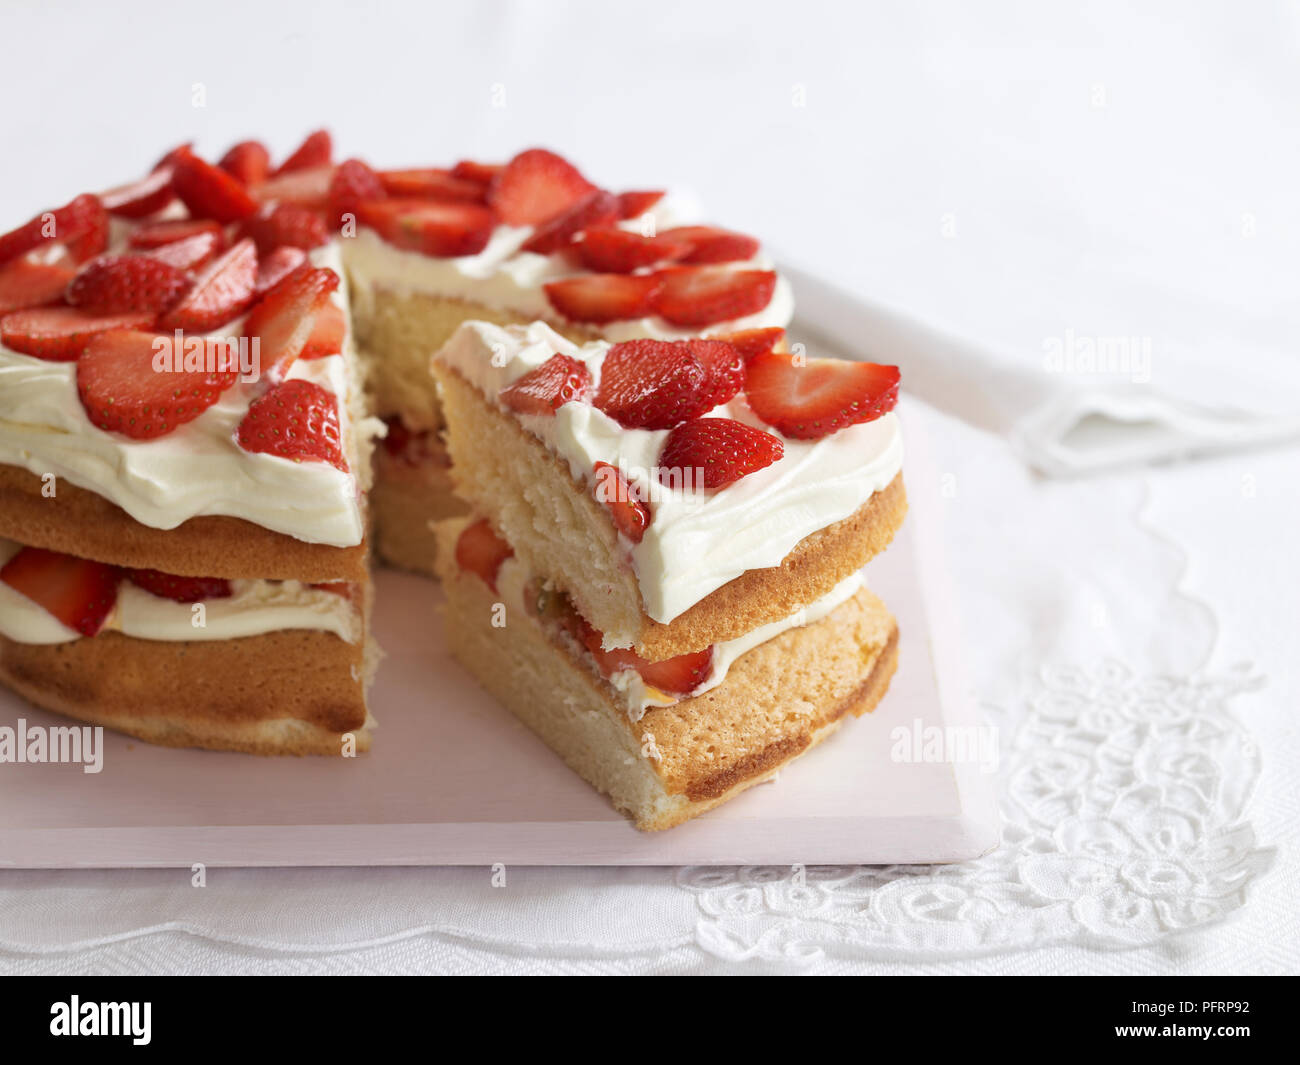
(453, 779)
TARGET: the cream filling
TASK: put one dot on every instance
(254, 608)
(696, 541)
(513, 582)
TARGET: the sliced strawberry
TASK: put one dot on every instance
(295, 420)
(353, 184)
(603, 297)
(327, 334)
(480, 173)
(139, 199)
(820, 396)
(181, 589)
(480, 550)
(92, 241)
(544, 390)
(123, 391)
(283, 320)
(715, 452)
(679, 675)
(286, 224)
(222, 292)
(610, 250)
(207, 191)
(248, 161)
(441, 230)
(702, 295)
(317, 150)
(190, 253)
(709, 244)
(274, 268)
(305, 188)
(655, 384)
(631, 515)
(431, 184)
(115, 284)
(156, 234)
(168, 159)
(751, 342)
(633, 204)
(535, 186)
(60, 334)
(596, 209)
(63, 225)
(24, 283)
(78, 592)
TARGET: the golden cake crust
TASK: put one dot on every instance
(79, 522)
(291, 692)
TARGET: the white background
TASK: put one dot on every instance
(1006, 172)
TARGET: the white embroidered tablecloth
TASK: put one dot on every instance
(1009, 177)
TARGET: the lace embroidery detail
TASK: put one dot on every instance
(1123, 800)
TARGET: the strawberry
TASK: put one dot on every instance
(751, 342)
(181, 589)
(24, 283)
(92, 241)
(274, 268)
(317, 150)
(821, 396)
(480, 173)
(77, 591)
(248, 162)
(655, 384)
(222, 292)
(595, 209)
(544, 390)
(286, 224)
(631, 515)
(441, 230)
(632, 204)
(353, 184)
(295, 420)
(414, 447)
(535, 186)
(431, 184)
(114, 284)
(711, 245)
(694, 296)
(283, 320)
(719, 451)
(168, 159)
(306, 188)
(63, 225)
(603, 297)
(190, 253)
(156, 234)
(139, 199)
(327, 334)
(207, 191)
(610, 250)
(479, 550)
(679, 675)
(60, 334)
(122, 392)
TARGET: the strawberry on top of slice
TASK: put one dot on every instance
(603, 297)
(545, 389)
(77, 219)
(535, 186)
(611, 250)
(597, 208)
(656, 384)
(24, 283)
(709, 244)
(139, 199)
(316, 150)
(296, 420)
(431, 184)
(283, 320)
(114, 284)
(696, 296)
(208, 191)
(77, 591)
(812, 398)
(286, 224)
(440, 229)
(632, 204)
(221, 292)
(715, 452)
(481, 551)
(60, 334)
(248, 161)
(123, 389)
(167, 231)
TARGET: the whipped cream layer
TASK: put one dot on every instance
(514, 582)
(254, 608)
(198, 469)
(507, 278)
(696, 541)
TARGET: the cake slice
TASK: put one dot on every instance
(577, 472)
(754, 703)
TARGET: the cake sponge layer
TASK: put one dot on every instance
(292, 692)
(778, 700)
